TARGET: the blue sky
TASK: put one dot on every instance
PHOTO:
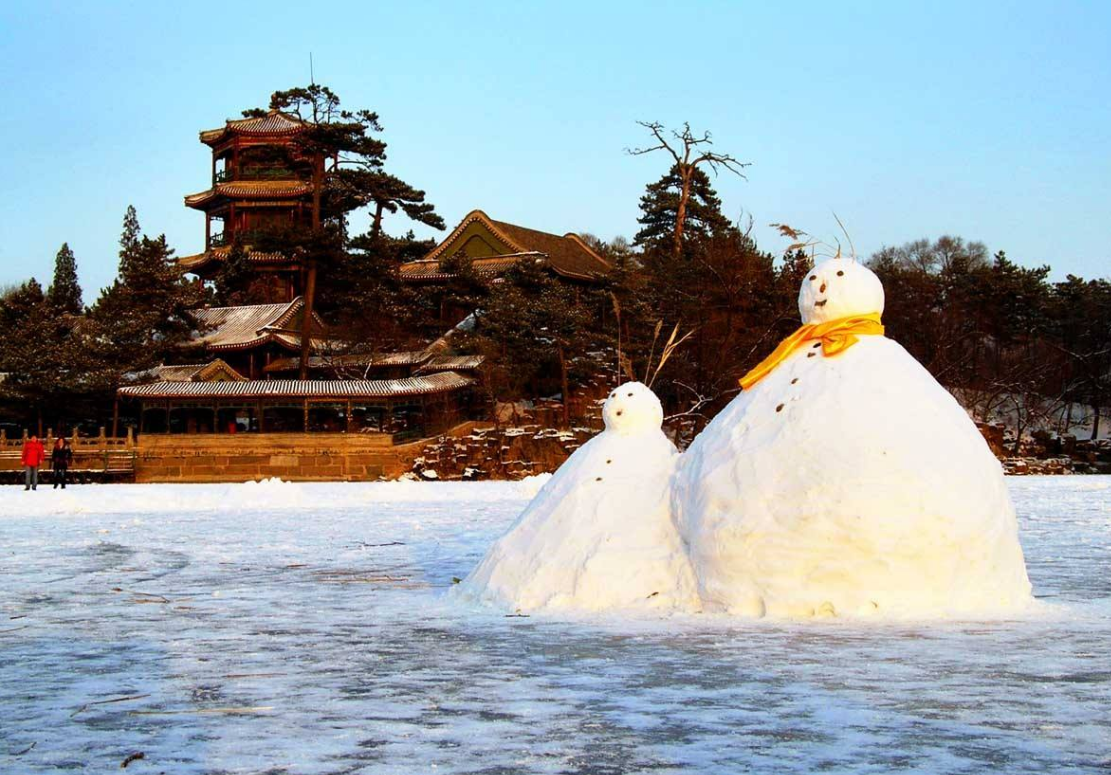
(987, 120)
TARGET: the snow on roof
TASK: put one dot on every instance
(451, 363)
(441, 382)
(241, 328)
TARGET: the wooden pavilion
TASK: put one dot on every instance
(219, 402)
(259, 182)
(251, 337)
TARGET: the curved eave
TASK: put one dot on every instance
(248, 189)
(201, 261)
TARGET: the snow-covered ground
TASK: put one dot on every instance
(297, 628)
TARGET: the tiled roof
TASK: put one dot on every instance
(425, 269)
(349, 359)
(179, 373)
(199, 372)
(250, 189)
(201, 260)
(451, 363)
(568, 255)
(273, 123)
(241, 328)
(442, 382)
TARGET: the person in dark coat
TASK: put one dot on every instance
(32, 457)
(61, 458)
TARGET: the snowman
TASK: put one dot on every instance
(845, 481)
(599, 535)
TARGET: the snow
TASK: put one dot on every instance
(306, 628)
(816, 493)
(600, 534)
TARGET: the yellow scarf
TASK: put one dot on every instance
(835, 335)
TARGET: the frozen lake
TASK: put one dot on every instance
(304, 629)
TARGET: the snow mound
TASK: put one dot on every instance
(598, 535)
(850, 485)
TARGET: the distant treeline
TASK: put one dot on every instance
(691, 304)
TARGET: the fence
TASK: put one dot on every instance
(95, 458)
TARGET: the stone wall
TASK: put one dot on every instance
(498, 453)
(290, 456)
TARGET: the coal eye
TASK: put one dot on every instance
(813, 277)
(630, 395)
(840, 273)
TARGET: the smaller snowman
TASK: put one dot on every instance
(599, 535)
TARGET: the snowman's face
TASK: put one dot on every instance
(632, 408)
(839, 288)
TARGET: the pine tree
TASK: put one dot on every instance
(42, 355)
(691, 153)
(129, 239)
(142, 319)
(346, 159)
(65, 292)
(536, 327)
(660, 208)
(232, 281)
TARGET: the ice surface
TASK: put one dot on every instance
(311, 634)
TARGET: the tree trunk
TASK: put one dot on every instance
(1095, 421)
(565, 387)
(681, 211)
(310, 279)
(376, 224)
(306, 320)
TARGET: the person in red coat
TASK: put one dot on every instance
(33, 455)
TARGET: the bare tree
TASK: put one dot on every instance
(689, 152)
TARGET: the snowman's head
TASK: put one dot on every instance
(838, 288)
(632, 408)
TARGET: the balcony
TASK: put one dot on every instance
(253, 172)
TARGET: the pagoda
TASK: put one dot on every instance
(260, 183)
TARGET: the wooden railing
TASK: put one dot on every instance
(76, 442)
(95, 458)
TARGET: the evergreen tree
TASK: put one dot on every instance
(65, 292)
(43, 357)
(142, 319)
(660, 209)
(366, 299)
(535, 327)
(129, 239)
(232, 281)
(691, 153)
(346, 161)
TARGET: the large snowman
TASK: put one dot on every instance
(599, 535)
(844, 480)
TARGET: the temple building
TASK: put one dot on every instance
(203, 399)
(259, 182)
(251, 337)
(240, 371)
(495, 246)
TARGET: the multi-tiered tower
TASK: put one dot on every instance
(260, 183)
